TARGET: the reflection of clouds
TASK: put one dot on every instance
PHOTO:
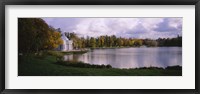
(68, 57)
(133, 57)
(86, 58)
(144, 57)
(175, 59)
(159, 57)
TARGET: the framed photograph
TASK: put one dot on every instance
(89, 46)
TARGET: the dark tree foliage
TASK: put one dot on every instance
(150, 43)
(170, 41)
(35, 35)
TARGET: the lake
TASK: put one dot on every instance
(131, 57)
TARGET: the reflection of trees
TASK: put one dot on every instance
(132, 57)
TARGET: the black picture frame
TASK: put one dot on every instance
(3, 3)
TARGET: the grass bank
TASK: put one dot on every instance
(36, 66)
(74, 52)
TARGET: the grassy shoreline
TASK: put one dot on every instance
(71, 52)
(45, 66)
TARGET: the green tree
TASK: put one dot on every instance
(102, 41)
(138, 42)
(92, 42)
(32, 34)
(119, 42)
(35, 35)
(98, 43)
(114, 39)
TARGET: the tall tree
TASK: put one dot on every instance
(54, 39)
(35, 35)
(92, 42)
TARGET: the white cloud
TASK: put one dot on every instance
(175, 22)
(121, 27)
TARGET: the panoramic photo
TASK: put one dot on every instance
(97, 46)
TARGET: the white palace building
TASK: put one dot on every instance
(67, 44)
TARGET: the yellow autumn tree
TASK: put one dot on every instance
(54, 39)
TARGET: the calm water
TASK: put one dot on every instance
(132, 57)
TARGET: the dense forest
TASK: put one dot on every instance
(113, 41)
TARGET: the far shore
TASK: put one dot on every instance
(83, 50)
(132, 47)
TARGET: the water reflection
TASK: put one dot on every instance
(132, 57)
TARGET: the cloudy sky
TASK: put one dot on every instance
(121, 27)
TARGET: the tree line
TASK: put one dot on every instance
(113, 41)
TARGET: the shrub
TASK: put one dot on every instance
(174, 67)
(58, 55)
(81, 64)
